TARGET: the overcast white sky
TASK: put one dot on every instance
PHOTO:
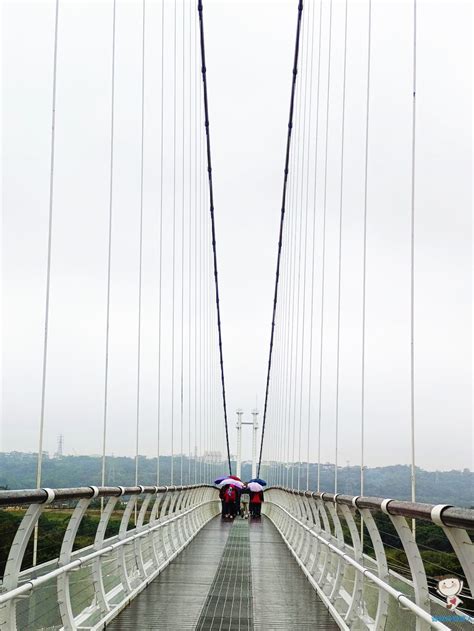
(249, 58)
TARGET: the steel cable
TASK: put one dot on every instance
(307, 206)
(310, 375)
(160, 263)
(282, 221)
(183, 166)
(305, 187)
(140, 269)
(173, 244)
(323, 254)
(412, 273)
(109, 252)
(213, 229)
(48, 270)
(341, 184)
(364, 271)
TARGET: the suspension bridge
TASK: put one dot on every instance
(153, 552)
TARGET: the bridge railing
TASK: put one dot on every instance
(113, 542)
(327, 534)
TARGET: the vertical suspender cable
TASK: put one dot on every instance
(204, 341)
(282, 221)
(364, 271)
(299, 203)
(341, 196)
(306, 235)
(310, 375)
(291, 288)
(203, 318)
(213, 229)
(190, 239)
(306, 243)
(290, 328)
(306, 206)
(174, 250)
(182, 262)
(284, 328)
(109, 253)
(48, 272)
(208, 356)
(141, 250)
(294, 300)
(196, 214)
(160, 270)
(200, 266)
(324, 250)
(412, 275)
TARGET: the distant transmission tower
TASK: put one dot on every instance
(60, 451)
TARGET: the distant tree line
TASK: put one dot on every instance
(18, 470)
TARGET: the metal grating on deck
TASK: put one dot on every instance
(233, 576)
(229, 603)
(174, 600)
(283, 597)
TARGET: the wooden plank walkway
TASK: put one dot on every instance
(234, 576)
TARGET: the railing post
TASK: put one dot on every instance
(326, 568)
(163, 535)
(382, 565)
(122, 551)
(179, 524)
(356, 595)
(417, 569)
(97, 575)
(313, 543)
(15, 559)
(63, 587)
(157, 536)
(461, 543)
(339, 540)
(139, 542)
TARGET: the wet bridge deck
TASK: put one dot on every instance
(233, 576)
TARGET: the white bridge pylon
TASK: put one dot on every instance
(254, 424)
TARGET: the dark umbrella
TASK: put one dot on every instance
(259, 481)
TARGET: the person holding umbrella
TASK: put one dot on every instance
(229, 492)
(229, 507)
(256, 498)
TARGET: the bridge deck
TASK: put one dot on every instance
(233, 576)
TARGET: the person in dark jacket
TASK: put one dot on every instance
(256, 501)
(221, 497)
(229, 501)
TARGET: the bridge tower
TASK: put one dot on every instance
(254, 424)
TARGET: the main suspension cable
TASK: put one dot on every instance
(282, 222)
(213, 228)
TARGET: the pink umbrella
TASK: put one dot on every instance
(231, 482)
(255, 487)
